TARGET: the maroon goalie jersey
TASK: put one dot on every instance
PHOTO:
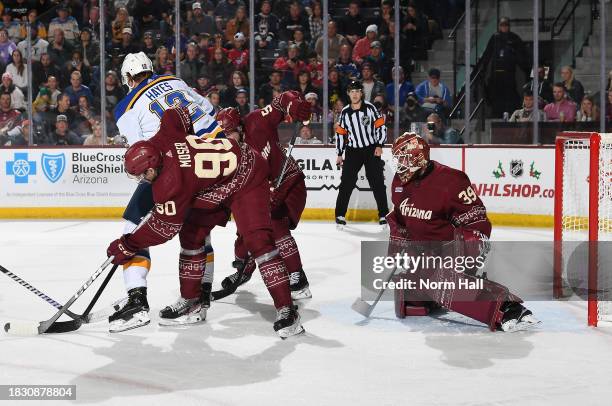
(261, 133)
(199, 173)
(431, 207)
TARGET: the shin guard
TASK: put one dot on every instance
(191, 269)
(274, 274)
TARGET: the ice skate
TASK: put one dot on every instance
(134, 314)
(287, 322)
(340, 223)
(182, 312)
(298, 283)
(517, 318)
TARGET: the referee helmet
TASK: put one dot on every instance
(354, 85)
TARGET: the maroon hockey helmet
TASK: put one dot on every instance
(140, 157)
(410, 154)
(229, 119)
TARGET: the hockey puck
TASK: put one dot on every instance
(7, 327)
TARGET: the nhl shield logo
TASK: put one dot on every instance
(365, 120)
(516, 168)
(53, 166)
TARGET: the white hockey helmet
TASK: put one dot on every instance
(135, 64)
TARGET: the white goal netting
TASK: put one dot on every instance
(576, 198)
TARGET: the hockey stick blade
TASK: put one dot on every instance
(35, 328)
(362, 307)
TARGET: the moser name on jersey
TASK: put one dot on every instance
(408, 210)
(183, 154)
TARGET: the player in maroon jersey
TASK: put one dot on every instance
(433, 202)
(191, 176)
(259, 129)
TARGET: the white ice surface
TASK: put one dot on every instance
(236, 359)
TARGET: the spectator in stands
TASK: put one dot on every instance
(306, 137)
(405, 88)
(59, 50)
(53, 85)
(588, 112)
(228, 95)
(240, 23)
(204, 86)
(89, 48)
(335, 42)
(413, 113)
(122, 20)
(526, 114)
(164, 64)
(505, 52)
(217, 44)
(39, 46)
(345, 65)
(17, 97)
(441, 134)
(62, 108)
(315, 23)
(219, 69)
(304, 84)
(93, 22)
(38, 27)
(62, 134)
(545, 94)
(11, 27)
(609, 106)
(382, 106)
(573, 88)
(335, 88)
(352, 24)
(17, 136)
(388, 44)
(41, 71)
(266, 26)
(316, 112)
(226, 9)
(265, 91)
(296, 20)
(561, 109)
(192, 67)
(127, 46)
(149, 47)
(386, 16)
(96, 137)
(19, 9)
(9, 116)
(433, 94)
(114, 93)
(19, 71)
(66, 23)
(200, 22)
(148, 14)
(371, 86)
(379, 61)
(85, 113)
(291, 65)
(77, 89)
(238, 56)
(416, 31)
(76, 64)
(242, 102)
(215, 99)
(315, 67)
(6, 48)
(362, 46)
(42, 104)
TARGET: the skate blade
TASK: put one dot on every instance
(522, 325)
(184, 320)
(140, 319)
(301, 294)
(340, 227)
(291, 331)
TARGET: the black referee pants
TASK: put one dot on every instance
(355, 158)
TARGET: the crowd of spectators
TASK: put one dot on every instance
(214, 56)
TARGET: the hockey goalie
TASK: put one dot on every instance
(436, 203)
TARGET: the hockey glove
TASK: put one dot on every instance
(292, 103)
(121, 250)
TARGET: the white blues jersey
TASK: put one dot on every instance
(139, 114)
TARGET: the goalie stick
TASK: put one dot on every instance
(86, 317)
(225, 292)
(52, 325)
(364, 308)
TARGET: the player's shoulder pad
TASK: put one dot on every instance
(455, 178)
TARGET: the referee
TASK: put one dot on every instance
(360, 135)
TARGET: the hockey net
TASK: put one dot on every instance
(583, 212)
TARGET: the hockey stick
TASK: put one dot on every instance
(364, 308)
(87, 318)
(35, 328)
(225, 292)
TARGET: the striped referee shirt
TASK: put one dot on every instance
(360, 128)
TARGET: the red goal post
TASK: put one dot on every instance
(583, 212)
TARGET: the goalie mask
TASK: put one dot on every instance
(410, 154)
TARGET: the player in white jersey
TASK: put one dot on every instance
(138, 117)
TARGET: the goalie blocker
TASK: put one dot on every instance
(434, 203)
